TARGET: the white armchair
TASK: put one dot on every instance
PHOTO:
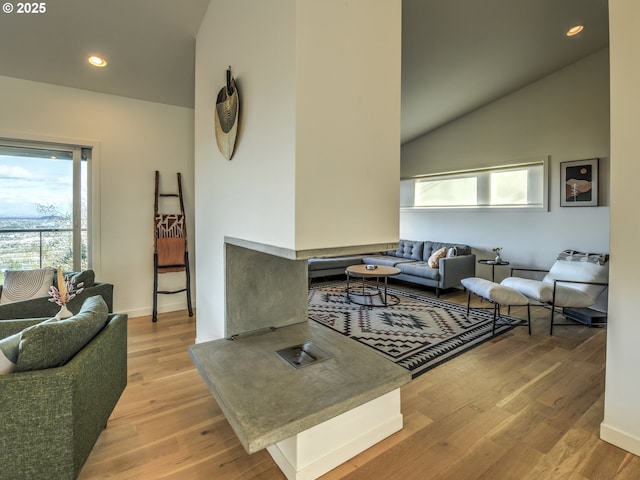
(575, 280)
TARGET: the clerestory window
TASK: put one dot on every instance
(511, 186)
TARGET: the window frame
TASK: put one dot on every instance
(93, 182)
(407, 188)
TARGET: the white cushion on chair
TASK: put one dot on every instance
(581, 272)
(535, 289)
(543, 292)
(571, 297)
(500, 294)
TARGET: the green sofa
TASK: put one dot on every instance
(42, 307)
(50, 419)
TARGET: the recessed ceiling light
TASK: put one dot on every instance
(97, 61)
(574, 30)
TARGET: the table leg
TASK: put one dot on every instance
(348, 299)
(385, 292)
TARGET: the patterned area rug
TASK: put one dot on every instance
(418, 333)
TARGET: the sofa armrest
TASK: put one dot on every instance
(454, 269)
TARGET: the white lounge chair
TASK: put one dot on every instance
(575, 280)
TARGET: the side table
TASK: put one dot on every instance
(493, 264)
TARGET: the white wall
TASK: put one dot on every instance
(251, 196)
(134, 138)
(564, 116)
(306, 86)
(347, 122)
(621, 425)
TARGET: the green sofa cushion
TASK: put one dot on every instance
(86, 277)
(53, 343)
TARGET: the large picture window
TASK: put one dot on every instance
(512, 186)
(43, 206)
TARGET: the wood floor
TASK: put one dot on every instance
(515, 407)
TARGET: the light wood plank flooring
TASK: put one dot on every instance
(515, 407)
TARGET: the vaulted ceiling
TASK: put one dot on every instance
(458, 55)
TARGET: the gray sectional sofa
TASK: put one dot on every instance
(411, 258)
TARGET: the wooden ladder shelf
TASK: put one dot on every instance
(170, 247)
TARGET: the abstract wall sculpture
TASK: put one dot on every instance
(226, 117)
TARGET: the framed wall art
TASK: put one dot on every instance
(579, 183)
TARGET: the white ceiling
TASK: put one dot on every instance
(149, 46)
(458, 55)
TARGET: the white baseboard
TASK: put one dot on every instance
(620, 439)
(143, 312)
(314, 452)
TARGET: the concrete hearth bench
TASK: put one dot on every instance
(309, 419)
(498, 295)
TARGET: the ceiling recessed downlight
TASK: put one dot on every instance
(575, 30)
(97, 61)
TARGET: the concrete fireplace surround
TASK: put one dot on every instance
(309, 419)
(266, 285)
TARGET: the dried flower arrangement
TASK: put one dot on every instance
(66, 290)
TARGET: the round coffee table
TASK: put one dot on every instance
(364, 291)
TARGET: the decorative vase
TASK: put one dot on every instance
(63, 313)
(498, 259)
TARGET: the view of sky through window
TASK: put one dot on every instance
(28, 184)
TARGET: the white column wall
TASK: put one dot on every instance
(347, 122)
(134, 138)
(252, 196)
(621, 424)
(317, 155)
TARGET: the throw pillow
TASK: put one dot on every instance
(86, 277)
(9, 353)
(53, 343)
(25, 284)
(434, 259)
(574, 256)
